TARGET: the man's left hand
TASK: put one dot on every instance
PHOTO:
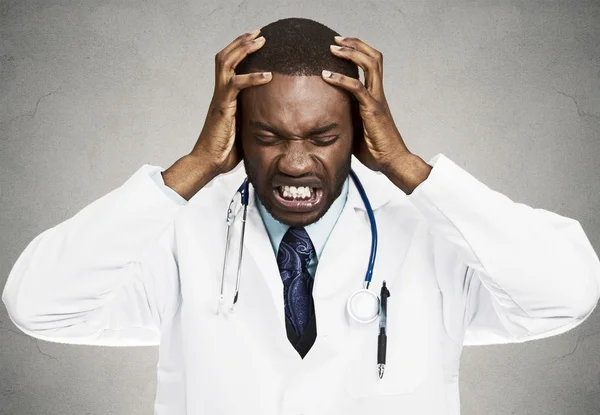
(382, 148)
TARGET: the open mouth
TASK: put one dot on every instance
(298, 199)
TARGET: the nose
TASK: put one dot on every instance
(296, 160)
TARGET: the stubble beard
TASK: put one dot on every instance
(340, 176)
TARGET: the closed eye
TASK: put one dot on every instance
(324, 141)
(268, 140)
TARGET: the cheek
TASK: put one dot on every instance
(336, 154)
(261, 160)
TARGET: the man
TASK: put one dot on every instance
(143, 264)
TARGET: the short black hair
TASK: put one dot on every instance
(300, 47)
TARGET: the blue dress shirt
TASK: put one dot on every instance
(319, 231)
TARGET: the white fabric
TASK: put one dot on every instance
(464, 265)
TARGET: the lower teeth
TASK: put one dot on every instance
(295, 198)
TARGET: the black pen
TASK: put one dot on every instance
(382, 338)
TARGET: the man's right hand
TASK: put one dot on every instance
(216, 142)
(215, 151)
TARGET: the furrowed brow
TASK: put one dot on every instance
(315, 131)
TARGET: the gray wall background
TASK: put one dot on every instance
(90, 91)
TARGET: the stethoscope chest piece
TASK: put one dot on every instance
(363, 306)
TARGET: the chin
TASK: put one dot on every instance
(299, 220)
(294, 219)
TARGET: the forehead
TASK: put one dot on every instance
(296, 103)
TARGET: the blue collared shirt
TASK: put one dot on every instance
(318, 232)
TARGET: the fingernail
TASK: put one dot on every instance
(259, 39)
(327, 74)
(335, 47)
(267, 74)
(255, 31)
(338, 38)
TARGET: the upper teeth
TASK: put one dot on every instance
(293, 191)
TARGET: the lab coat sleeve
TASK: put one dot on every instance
(527, 273)
(106, 276)
(170, 193)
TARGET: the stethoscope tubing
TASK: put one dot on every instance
(374, 237)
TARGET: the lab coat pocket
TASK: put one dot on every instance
(409, 341)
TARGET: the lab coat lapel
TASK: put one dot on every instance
(258, 245)
(342, 250)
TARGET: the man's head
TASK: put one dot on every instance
(297, 130)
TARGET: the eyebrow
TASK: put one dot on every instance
(314, 131)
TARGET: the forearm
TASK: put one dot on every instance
(538, 271)
(188, 175)
(407, 172)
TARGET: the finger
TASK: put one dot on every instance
(243, 38)
(362, 46)
(368, 50)
(225, 67)
(231, 60)
(239, 82)
(364, 97)
(370, 66)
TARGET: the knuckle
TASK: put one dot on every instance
(227, 62)
(357, 85)
(250, 44)
(234, 82)
(378, 64)
(246, 46)
(380, 110)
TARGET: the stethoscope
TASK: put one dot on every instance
(362, 306)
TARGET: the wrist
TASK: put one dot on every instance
(188, 175)
(407, 172)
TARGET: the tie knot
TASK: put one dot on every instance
(296, 250)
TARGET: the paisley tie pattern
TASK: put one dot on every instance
(295, 253)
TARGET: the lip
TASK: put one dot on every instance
(311, 182)
(298, 206)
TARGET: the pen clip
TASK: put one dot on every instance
(384, 294)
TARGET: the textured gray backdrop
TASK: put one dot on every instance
(91, 90)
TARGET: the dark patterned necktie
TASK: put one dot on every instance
(294, 254)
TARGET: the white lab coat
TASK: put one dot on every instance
(464, 265)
